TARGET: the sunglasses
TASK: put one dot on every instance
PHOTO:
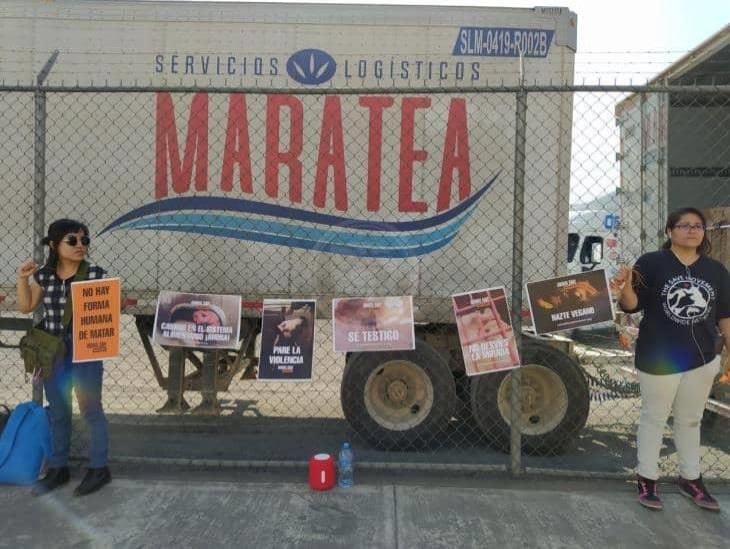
(73, 240)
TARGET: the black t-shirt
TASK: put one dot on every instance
(681, 306)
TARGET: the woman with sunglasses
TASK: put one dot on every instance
(685, 299)
(68, 243)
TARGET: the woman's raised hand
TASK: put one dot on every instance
(27, 268)
(624, 276)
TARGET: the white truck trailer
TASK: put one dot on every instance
(389, 188)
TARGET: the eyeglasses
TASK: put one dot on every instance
(73, 240)
(689, 227)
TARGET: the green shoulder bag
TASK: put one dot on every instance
(41, 350)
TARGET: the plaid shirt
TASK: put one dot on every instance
(55, 293)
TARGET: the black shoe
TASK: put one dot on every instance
(648, 495)
(55, 477)
(93, 480)
(696, 491)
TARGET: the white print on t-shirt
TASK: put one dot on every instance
(687, 299)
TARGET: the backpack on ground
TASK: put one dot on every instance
(24, 442)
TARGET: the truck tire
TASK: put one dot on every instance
(398, 399)
(555, 401)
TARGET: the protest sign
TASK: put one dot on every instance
(570, 301)
(287, 339)
(373, 324)
(485, 331)
(197, 320)
(96, 312)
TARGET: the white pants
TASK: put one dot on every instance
(686, 395)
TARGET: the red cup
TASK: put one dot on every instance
(322, 472)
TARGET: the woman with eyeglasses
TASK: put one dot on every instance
(68, 243)
(685, 299)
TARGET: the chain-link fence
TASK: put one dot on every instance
(343, 193)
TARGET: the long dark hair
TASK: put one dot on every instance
(56, 232)
(705, 247)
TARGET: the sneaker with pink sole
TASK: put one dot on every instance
(696, 491)
(648, 495)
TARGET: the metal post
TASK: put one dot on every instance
(518, 215)
(662, 168)
(176, 403)
(39, 184)
(642, 172)
(209, 385)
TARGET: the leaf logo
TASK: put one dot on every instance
(311, 67)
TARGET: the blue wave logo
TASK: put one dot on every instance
(311, 67)
(242, 219)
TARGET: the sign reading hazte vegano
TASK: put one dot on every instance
(570, 301)
(96, 311)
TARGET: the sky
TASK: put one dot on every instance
(656, 32)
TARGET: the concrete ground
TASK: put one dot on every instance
(182, 508)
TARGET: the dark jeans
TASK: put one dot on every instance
(85, 378)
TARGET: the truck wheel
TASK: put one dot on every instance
(555, 401)
(398, 399)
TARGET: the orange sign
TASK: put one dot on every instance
(96, 311)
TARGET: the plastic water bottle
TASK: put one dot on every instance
(345, 466)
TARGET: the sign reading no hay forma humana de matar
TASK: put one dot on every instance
(485, 331)
(210, 321)
(571, 301)
(96, 315)
(287, 339)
